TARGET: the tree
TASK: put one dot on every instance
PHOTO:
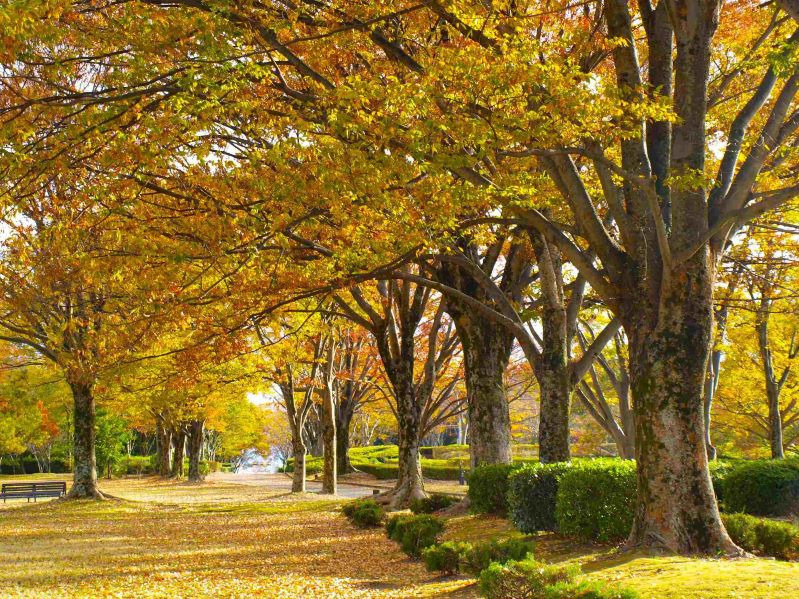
(397, 313)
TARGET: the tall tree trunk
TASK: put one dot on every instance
(551, 367)
(163, 445)
(179, 444)
(84, 478)
(552, 372)
(775, 422)
(329, 474)
(676, 507)
(299, 450)
(486, 352)
(773, 383)
(410, 484)
(343, 423)
(196, 431)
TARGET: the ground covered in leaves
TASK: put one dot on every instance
(248, 538)
(220, 539)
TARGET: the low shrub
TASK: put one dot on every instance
(432, 503)
(135, 465)
(488, 488)
(364, 513)
(596, 499)
(446, 557)
(762, 536)
(415, 533)
(532, 496)
(529, 579)
(763, 488)
(481, 555)
(526, 578)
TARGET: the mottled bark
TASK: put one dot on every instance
(676, 507)
(410, 484)
(486, 343)
(552, 374)
(163, 445)
(195, 444)
(486, 352)
(551, 367)
(84, 477)
(178, 452)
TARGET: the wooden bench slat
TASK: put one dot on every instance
(33, 490)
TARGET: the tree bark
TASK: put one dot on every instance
(84, 478)
(676, 507)
(329, 474)
(343, 423)
(551, 367)
(773, 383)
(178, 444)
(410, 484)
(486, 352)
(196, 431)
(164, 446)
(298, 476)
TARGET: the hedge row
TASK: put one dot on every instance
(758, 487)
(28, 465)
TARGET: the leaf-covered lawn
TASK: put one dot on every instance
(216, 540)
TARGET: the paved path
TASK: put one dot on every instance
(281, 482)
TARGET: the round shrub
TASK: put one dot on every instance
(526, 578)
(432, 503)
(364, 513)
(529, 579)
(488, 488)
(445, 557)
(532, 495)
(763, 488)
(481, 555)
(415, 533)
(596, 499)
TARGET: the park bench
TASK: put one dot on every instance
(33, 490)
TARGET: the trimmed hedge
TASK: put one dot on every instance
(596, 499)
(28, 465)
(719, 469)
(488, 488)
(763, 488)
(532, 496)
(763, 537)
(414, 533)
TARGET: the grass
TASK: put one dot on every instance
(653, 576)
